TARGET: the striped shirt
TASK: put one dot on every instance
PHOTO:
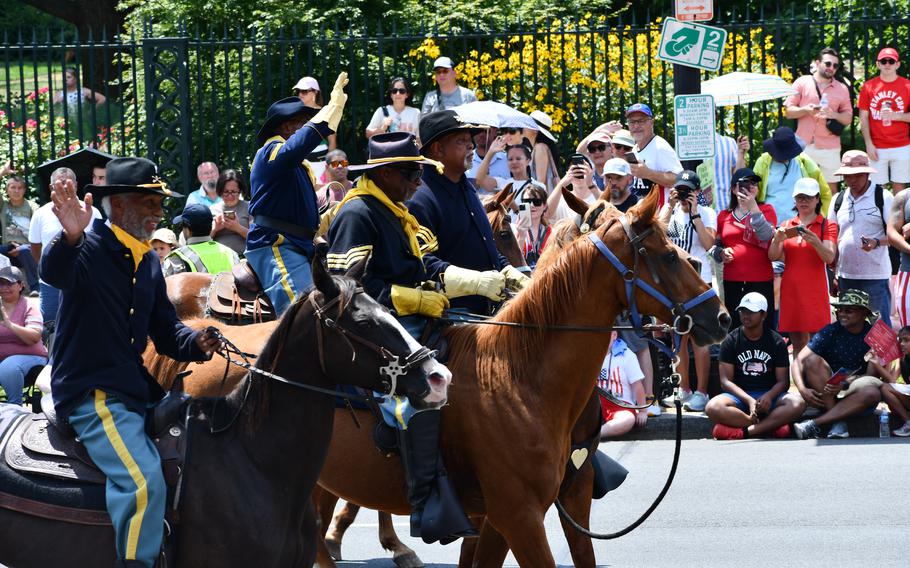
(724, 162)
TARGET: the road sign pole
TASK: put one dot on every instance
(686, 81)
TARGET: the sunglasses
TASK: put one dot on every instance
(887, 61)
(621, 147)
(397, 91)
(830, 64)
(230, 192)
(597, 147)
(746, 183)
(339, 163)
(536, 202)
(410, 174)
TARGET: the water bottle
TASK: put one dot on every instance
(823, 104)
(884, 425)
(886, 117)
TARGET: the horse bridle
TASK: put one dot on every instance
(682, 321)
(395, 365)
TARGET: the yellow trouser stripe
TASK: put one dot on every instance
(399, 409)
(285, 281)
(113, 436)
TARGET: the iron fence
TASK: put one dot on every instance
(199, 96)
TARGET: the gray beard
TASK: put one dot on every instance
(617, 194)
(132, 224)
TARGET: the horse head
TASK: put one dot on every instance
(640, 243)
(358, 335)
(497, 208)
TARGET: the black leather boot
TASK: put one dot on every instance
(422, 467)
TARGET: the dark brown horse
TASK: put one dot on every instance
(529, 385)
(256, 454)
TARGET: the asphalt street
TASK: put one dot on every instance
(753, 503)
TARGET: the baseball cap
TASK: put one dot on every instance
(443, 62)
(806, 186)
(640, 107)
(623, 138)
(888, 52)
(11, 274)
(196, 217)
(744, 173)
(166, 236)
(687, 178)
(306, 84)
(754, 302)
(617, 166)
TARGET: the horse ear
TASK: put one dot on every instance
(574, 203)
(492, 204)
(356, 272)
(322, 279)
(645, 210)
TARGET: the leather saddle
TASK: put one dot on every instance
(46, 471)
(238, 297)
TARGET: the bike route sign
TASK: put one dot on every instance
(694, 10)
(693, 45)
(694, 117)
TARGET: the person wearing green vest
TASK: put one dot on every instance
(201, 253)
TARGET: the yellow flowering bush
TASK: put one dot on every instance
(587, 71)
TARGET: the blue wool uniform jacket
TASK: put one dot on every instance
(106, 314)
(364, 226)
(454, 214)
(283, 188)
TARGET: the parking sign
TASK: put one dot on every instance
(693, 45)
(694, 116)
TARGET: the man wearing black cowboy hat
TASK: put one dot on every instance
(279, 246)
(373, 221)
(780, 166)
(113, 294)
(474, 272)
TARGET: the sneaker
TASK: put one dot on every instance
(806, 429)
(697, 402)
(654, 409)
(903, 431)
(839, 430)
(781, 432)
(670, 401)
(724, 432)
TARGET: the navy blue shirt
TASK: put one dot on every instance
(282, 187)
(107, 312)
(840, 348)
(455, 215)
(365, 227)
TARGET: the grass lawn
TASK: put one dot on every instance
(27, 73)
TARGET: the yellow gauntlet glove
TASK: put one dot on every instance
(459, 282)
(515, 279)
(409, 301)
(331, 113)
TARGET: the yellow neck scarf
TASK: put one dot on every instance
(137, 247)
(409, 223)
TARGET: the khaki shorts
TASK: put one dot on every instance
(828, 160)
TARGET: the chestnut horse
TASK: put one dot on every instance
(256, 454)
(529, 385)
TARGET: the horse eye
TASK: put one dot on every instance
(671, 257)
(504, 234)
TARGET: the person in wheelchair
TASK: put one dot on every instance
(21, 325)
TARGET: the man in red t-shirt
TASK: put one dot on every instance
(884, 102)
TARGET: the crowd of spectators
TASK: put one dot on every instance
(778, 240)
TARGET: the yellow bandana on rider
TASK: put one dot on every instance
(408, 222)
(137, 247)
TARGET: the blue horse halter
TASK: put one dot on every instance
(682, 322)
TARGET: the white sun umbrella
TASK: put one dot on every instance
(491, 113)
(742, 88)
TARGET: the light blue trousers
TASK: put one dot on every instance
(284, 272)
(116, 441)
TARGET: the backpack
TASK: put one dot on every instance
(893, 253)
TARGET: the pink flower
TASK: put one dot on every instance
(31, 96)
(43, 90)
(31, 123)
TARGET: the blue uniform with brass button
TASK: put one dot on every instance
(113, 295)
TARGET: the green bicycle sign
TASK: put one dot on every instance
(693, 45)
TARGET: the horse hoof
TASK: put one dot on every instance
(334, 548)
(408, 559)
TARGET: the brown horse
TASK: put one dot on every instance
(529, 385)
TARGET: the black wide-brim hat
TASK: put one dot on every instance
(394, 148)
(82, 162)
(280, 111)
(131, 175)
(783, 145)
(434, 125)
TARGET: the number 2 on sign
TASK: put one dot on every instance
(713, 40)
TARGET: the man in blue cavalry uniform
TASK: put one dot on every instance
(279, 245)
(201, 253)
(447, 204)
(113, 294)
(372, 222)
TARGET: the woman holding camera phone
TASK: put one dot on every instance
(581, 179)
(231, 221)
(807, 242)
(533, 230)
